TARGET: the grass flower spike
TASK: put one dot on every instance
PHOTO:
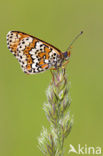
(51, 142)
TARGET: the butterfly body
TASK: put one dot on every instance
(33, 54)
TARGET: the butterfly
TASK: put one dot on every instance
(33, 54)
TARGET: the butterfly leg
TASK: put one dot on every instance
(52, 76)
(63, 65)
(54, 66)
(53, 69)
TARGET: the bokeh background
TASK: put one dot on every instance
(22, 96)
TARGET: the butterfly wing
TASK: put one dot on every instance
(33, 54)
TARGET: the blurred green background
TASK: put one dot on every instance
(22, 96)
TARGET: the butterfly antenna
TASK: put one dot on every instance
(74, 40)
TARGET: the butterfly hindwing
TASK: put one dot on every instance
(33, 54)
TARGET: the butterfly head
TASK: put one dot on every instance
(66, 55)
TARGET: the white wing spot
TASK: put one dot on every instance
(46, 61)
(38, 45)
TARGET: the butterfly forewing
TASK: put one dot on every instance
(33, 54)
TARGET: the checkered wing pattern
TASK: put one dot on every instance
(33, 54)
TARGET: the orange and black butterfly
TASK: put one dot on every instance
(33, 54)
